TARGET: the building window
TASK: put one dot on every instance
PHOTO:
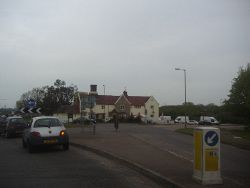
(103, 106)
(152, 107)
(137, 106)
(122, 107)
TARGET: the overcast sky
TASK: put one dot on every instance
(135, 44)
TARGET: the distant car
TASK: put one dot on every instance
(79, 120)
(45, 131)
(12, 126)
(181, 119)
(205, 122)
(193, 122)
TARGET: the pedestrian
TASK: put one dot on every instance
(116, 122)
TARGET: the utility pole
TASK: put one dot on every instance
(104, 87)
(185, 83)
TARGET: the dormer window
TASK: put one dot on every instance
(122, 107)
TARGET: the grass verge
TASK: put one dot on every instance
(237, 138)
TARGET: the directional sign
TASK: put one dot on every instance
(22, 110)
(211, 138)
(31, 103)
(31, 110)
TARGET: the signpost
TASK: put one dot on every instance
(30, 107)
(31, 103)
(207, 155)
(30, 110)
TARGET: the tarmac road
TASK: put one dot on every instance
(53, 167)
(235, 162)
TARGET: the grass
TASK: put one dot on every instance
(241, 133)
(237, 138)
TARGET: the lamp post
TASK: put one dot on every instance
(185, 82)
(104, 102)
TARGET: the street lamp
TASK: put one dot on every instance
(185, 82)
(104, 102)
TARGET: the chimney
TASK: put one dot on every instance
(93, 89)
(125, 93)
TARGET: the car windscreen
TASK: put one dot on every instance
(47, 122)
(17, 121)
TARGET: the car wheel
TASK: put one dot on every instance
(24, 144)
(30, 148)
(66, 146)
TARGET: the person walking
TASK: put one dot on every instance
(116, 123)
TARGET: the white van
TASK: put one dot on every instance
(164, 120)
(208, 120)
(181, 119)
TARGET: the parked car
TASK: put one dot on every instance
(12, 126)
(193, 122)
(2, 125)
(84, 120)
(45, 131)
(206, 120)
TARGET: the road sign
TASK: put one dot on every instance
(30, 110)
(31, 103)
(207, 155)
(211, 138)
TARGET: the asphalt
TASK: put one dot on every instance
(163, 167)
(52, 167)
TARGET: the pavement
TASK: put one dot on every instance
(164, 167)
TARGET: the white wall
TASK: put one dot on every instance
(152, 111)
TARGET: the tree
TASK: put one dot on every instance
(50, 98)
(239, 97)
(36, 94)
(57, 96)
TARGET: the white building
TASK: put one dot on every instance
(125, 106)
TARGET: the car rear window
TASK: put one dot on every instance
(17, 121)
(48, 122)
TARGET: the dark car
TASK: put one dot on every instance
(2, 125)
(205, 122)
(12, 126)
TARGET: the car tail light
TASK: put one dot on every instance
(62, 133)
(36, 134)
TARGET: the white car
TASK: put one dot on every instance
(46, 130)
(193, 122)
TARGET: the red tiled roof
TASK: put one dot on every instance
(110, 100)
(137, 100)
(106, 99)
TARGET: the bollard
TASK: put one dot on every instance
(206, 169)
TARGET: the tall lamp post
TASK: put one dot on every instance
(104, 102)
(185, 82)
